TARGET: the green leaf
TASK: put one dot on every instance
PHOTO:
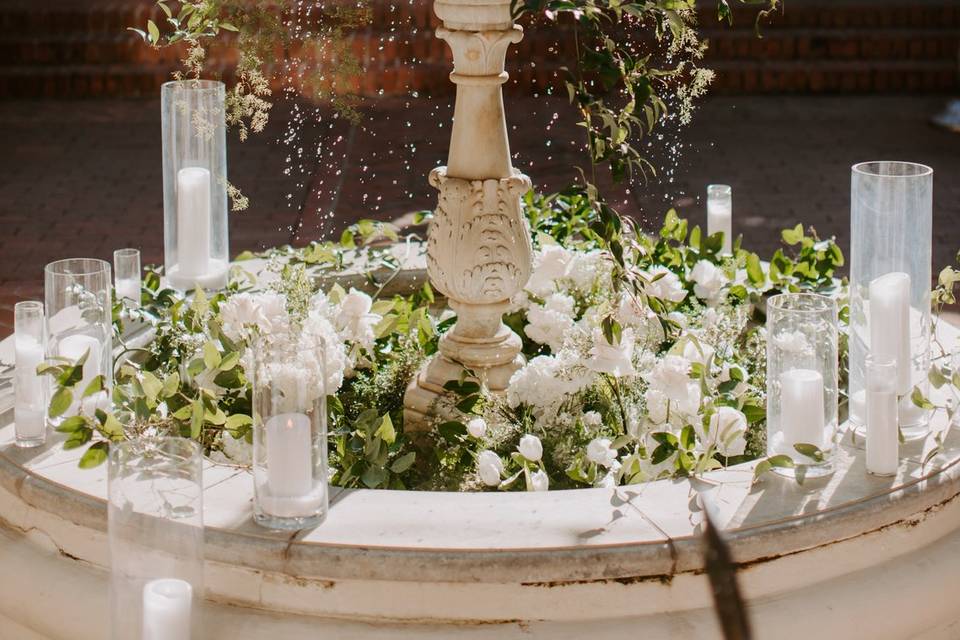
(811, 451)
(95, 386)
(171, 384)
(111, 427)
(792, 236)
(151, 386)
(688, 438)
(196, 418)
(373, 477)
(238, 421)
(72, 423)
(782, 461)
(755, 271)
(95, 455)
(386, 430)
(211, 356)
(404, 462)
(228, 26)
(78, 438)
(154, 35)
(60, 402)
(920, 400)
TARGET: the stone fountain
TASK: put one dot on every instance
(479, 253)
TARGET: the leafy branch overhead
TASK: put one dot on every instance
(623, 81)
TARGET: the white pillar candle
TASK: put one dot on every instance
(720, 214)
(890, 324)
(801, 407)
(883, 442)
(289, 455)
(29, 410)
(193, 221)
(128, 290)
(73, 348)
(166, 609)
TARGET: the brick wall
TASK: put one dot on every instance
(80, 48)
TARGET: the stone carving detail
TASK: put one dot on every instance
(479, 243)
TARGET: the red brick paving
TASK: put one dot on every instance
(81, 178)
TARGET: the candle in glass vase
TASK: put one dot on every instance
(128, 290)
(166, 609)
(720, 214)
(29, 408)
(193, 221)
(883, 441)
(801, 407)
(289, 461)
(890, 325)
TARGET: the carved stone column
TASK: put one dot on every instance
(478, 252)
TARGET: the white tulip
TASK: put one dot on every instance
(530, 448)
(490, 468)
(477, 427)
(539, 480)
(599, 452)
(726, 432)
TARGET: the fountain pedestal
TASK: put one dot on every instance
(479, 253)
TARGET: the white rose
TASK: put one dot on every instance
(709, 281)
(657, 404)
(671, 376)
(696, 351)
(354, 320)
(551, 323)
(539, 480)
(615, 359)
(530, 448)
(477, 427)
(549, 265)
(599, 452)
(726, 431)
(592, 419)
(666, 287)
(490, 468)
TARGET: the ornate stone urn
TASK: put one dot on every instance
(479, 253)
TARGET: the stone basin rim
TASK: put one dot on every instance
(652, 558)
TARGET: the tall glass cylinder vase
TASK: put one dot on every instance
(891, 212)
(30, 398)
(802, 381)
(155, 528)
(79, 325)
(290, 435)
(196, 248)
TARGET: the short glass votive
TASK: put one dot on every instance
(196, 249)
(155, 529)
(802, 381)
(127, 277)
(891, 214)
(720, 213)
(30, 395)
(79, 324)
(883, 439)
(290, 436)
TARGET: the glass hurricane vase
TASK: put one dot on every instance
(890, 277)
(78, 293)
(290, 435)
(155, 528)
(802, 381)
(196, 248)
